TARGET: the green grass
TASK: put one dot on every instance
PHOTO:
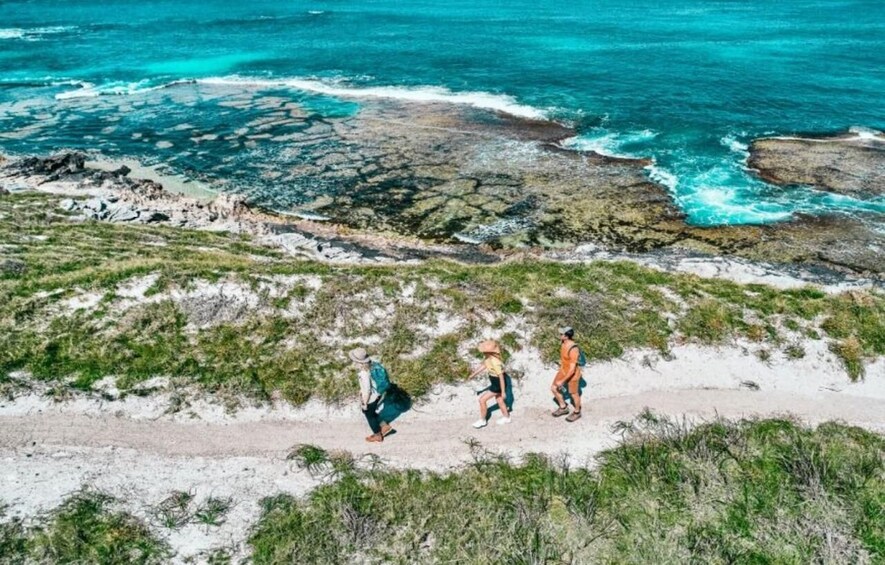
(267, 350)
(175, 510)
(212, 511)
(84, 529)
(726, 492)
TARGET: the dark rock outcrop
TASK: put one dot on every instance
(55, 166)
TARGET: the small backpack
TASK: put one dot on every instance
(379, 377)
(582, 359)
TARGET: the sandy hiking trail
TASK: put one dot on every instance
(131, 449)
(421, 439)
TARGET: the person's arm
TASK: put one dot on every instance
(475, 373)
(365, 388)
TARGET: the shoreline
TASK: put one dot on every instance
(326, 240)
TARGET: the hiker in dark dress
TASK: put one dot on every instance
(374, 384)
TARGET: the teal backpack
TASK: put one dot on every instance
(582, 359)
(379, 377)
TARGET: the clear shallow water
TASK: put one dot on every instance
(687, 82)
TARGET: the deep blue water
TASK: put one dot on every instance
(687, 82)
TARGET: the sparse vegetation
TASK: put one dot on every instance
(180, 508)
(84, 529)
(175, 510)
(212, 511)
(253, 336)
(726, 492)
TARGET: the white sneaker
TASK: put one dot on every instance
(480, 424)
(503, 420)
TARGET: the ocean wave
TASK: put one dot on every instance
(608, 143)
(32, 34)
(37, 82)
(662, 176)
(861, 132)
(486, 100)
(116, 88)
(478, 99)
(735, 145)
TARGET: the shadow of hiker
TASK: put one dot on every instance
(508, 395)
(396, 402)
(582, 384)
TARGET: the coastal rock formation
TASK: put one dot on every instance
(850, 165)
(52, 168)
(436, 174)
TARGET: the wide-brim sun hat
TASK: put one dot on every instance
(359, 355)
(489, 346)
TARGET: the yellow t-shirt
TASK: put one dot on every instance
(494, 366)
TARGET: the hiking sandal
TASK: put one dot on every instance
(560, 412)
(386, 429)
(573, 417)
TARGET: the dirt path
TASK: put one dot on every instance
(423, 439)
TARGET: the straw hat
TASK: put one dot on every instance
(490, 346)
(359, 355)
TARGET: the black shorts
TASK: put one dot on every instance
(495, 385)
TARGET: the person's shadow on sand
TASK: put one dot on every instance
(396, 402)
(582, 384)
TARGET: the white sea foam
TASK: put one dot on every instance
(31, 34)
(860, 133)
(662, 176)
(486, 100)
(89, 90)
(865, 133)
(608, 143)
(735, 145)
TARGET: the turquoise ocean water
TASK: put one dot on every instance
(686, 82)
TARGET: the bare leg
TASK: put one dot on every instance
(554, 388)
(502, 404)
(483, 407)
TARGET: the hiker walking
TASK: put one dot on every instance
(571, 361)
(374, 383)
(494, 367)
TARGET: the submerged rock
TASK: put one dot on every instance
(853, 166)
